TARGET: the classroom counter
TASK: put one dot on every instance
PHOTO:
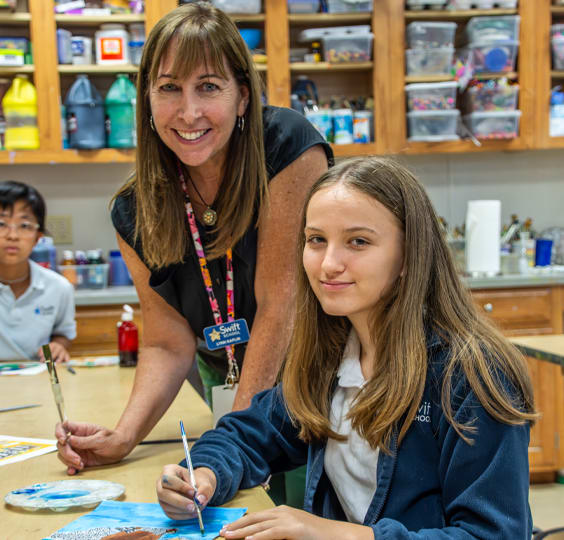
(128, 295)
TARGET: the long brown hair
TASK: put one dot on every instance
(201, 33)
(428, 296)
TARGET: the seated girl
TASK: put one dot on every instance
(36, 304)
(411, 411)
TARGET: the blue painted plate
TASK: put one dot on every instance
(64, 494)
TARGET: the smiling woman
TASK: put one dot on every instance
(205, 224)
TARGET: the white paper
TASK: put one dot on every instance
(13, 449)
(483, 229)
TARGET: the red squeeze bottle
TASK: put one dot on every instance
(128, 338)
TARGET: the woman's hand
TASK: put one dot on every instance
(176, 493)
(58, 352)
(83, 445)
(288, 523)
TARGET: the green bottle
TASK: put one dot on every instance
(120, 113)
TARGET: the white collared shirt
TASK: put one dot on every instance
(45, 309)
(351, 464)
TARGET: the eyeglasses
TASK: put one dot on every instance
(24, 228)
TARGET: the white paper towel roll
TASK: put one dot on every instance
(483, 227)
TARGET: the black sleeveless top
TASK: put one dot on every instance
(287, 135)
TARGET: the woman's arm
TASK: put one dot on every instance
(275, 274)
(166, 356)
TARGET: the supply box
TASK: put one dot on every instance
(86, 276)
(238, 6)
(344, 6)
(430, 35)
(433, 126)
(494, 124)
(492, 98)
(429, 61)
(503, 28)
(431, 96)
(303, 6)
(342, 43)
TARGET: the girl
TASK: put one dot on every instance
(36, 304)
(410, 410)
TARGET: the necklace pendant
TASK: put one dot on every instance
(209, 217)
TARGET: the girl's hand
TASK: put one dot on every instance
(58, 352)
(288, 523)
(176, 493)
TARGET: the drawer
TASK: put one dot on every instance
(518, 311)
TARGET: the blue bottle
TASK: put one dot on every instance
(85, 115)
(119, 274)
(44, 253)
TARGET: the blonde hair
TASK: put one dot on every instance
(429, 296)
(201, 33)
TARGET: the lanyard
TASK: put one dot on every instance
(233, 373)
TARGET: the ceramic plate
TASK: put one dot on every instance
(58, 496)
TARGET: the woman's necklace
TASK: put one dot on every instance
(209, 217)
(14, 281)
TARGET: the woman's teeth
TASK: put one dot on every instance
(191, 135)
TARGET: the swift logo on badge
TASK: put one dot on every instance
(225, 334)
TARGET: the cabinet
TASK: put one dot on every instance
(383, 77)
(535, 311)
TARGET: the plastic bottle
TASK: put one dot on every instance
(20, 110)
(85, 115)
(120, 113)
(64, 130)
(81, 273)
(96, 272)
(48, 242)
(41, 254)
(128, 338)
(119, 274)
(67, 267)
(112, 44)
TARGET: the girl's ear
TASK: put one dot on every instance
(244, 90)
(39, 235)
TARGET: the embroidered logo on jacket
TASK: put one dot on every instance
(424, 412)
(44, 310)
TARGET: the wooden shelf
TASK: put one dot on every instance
(411, 15)
(463, 146)
(9, 70)
(93, 20)
(301, 67)
(104, 155)
(97, 69)
(512, 75)
(557, 10)
(346, 150)
(328, 18)
(247, 18)
(15, 18)
(556, 74)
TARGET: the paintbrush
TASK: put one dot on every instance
(55, 386)
(18, 407)
(192, 479)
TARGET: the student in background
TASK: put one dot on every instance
(411, 411)
(36, 304)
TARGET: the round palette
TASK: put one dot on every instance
(64, 494)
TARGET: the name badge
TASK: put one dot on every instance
(225, 334)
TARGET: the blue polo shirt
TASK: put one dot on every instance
(45, 309)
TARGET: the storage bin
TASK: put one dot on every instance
(342, 43)
(343, 6)
(13, 51)
(492, 96)
(494, 124)
(433, 125)
(303, 6)
(429, 61)
(238, 6)
(506, 4)
(503, 28)
(86, 276)
(558, 52)
(420, 4)
(431, 96)
(494, 57)
(430, 35)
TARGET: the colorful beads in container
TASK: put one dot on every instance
(491, 95)
(431, 96)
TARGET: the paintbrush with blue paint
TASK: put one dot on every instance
(192, 478)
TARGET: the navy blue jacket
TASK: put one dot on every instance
(434, 486)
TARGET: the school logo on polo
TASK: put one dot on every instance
(424, 412)
(44, 310)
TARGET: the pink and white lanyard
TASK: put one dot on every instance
(233, 371)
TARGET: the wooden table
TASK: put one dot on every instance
(96, 395)
(549, 348)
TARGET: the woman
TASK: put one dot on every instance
(36, 304)
(411, 411)
(205, 137)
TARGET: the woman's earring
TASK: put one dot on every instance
(241, 123)
(151, 123)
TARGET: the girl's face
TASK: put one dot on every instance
(353, 252)
(22, 234)
(195, 116)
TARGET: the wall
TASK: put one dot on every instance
(530, 184)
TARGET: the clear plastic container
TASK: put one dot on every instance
(557, 30)
(433, 125)
(429, 61)
(502, 28)
(492, 97)
(494, 124)
(344, 6)
(494, 57)
(430, 35)
(506, 4)
(88, 276)
(303, 6)
(558, 51)
(431, 96)
(345, 48)
(420, 4)
(238, 6)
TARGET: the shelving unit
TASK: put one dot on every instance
(96, 69)
(7, 70)
(15, 18)
(94, 20)
(302, 67)
(446, 15)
